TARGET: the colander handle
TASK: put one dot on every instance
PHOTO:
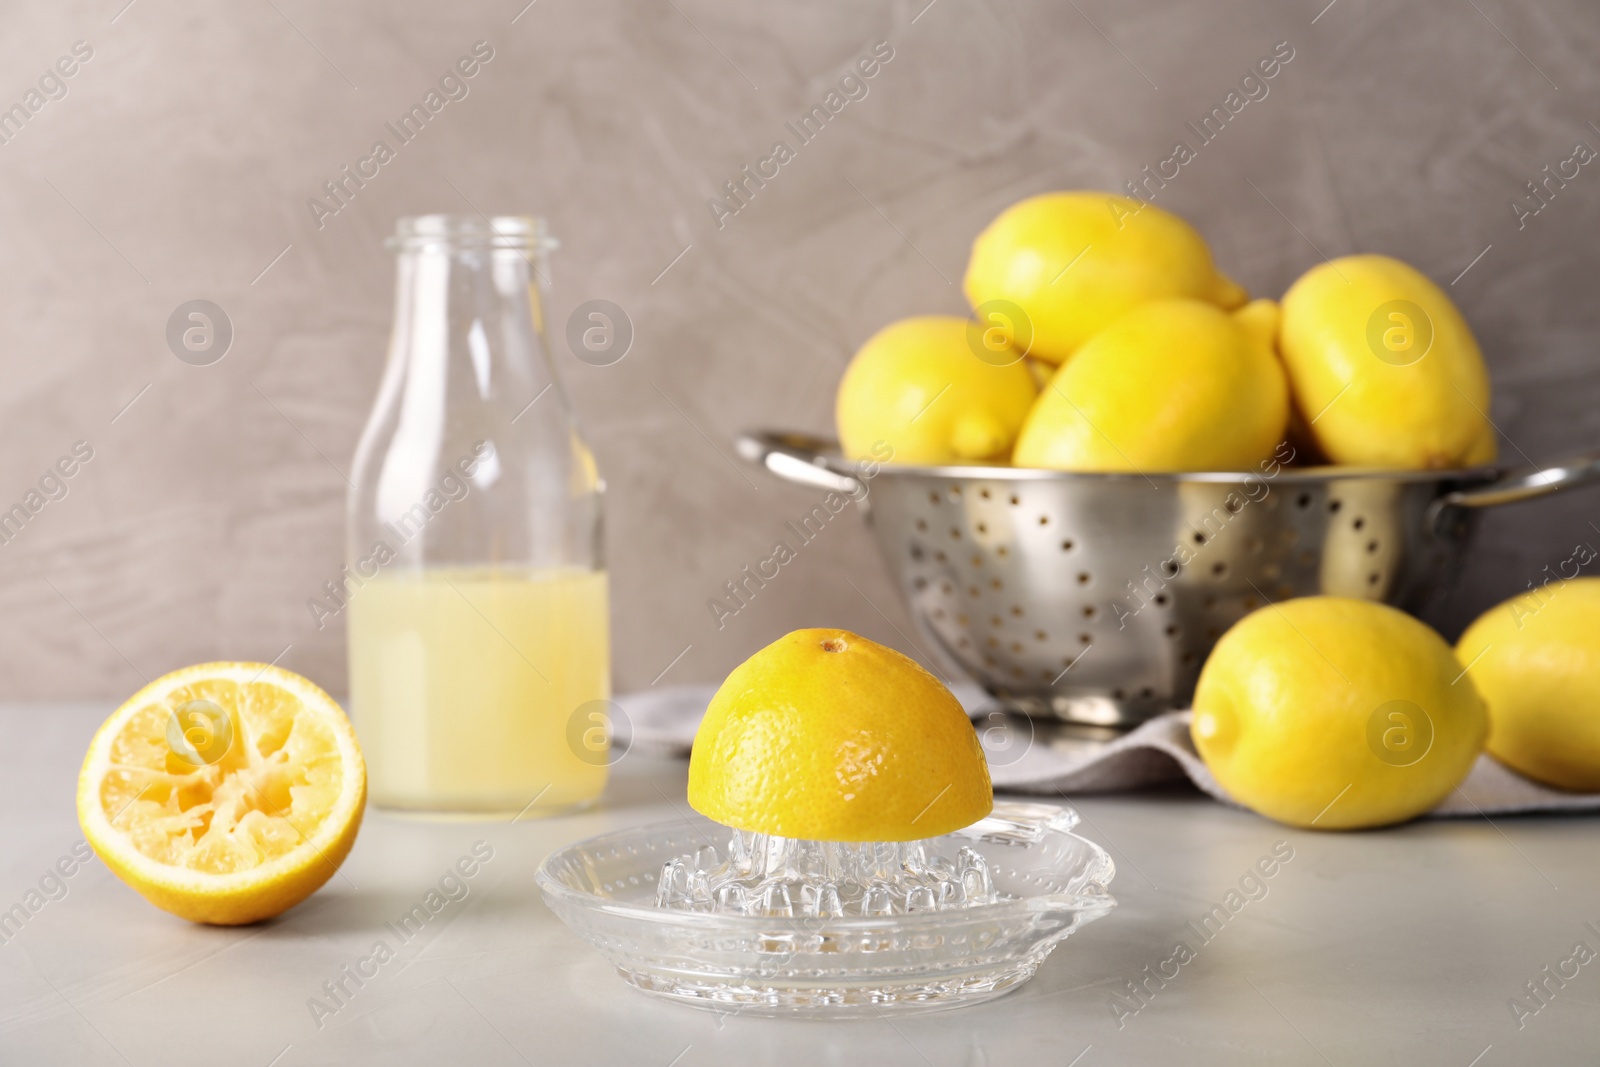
(1526, 483)
(796, 458)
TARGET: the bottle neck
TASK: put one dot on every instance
(468, 323)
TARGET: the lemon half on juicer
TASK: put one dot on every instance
(826, 736)
(861, 864)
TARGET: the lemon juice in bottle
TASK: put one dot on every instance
(479, 652)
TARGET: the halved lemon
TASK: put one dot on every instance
(225, 792)
(826, 736)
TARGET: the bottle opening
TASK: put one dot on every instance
(495, 231)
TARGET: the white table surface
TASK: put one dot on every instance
(1403, 946)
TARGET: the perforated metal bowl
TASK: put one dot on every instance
(1095, 598)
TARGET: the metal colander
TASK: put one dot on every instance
(1095, 598)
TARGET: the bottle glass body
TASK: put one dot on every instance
(478, 629)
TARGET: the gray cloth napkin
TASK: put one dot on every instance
(1043, 758)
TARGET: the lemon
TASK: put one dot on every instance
(1385, 368)
(930, 389)
(1536, 660)
(1336, 714)
(1075, 261)
(1040, 371)
(826, 736)
(1483, 450)
(225, 792)
(1172, 385)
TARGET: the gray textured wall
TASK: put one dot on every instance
(179, 163)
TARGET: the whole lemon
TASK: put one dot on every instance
(921, 386)
(1536, 660)
(826, 736)
(1074, 261)
(1384, 368)
(1172, 385)
(1335, 714)
(1483, 450)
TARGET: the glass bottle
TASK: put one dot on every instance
(479, 645)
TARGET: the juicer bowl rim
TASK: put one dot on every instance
(1094, 898)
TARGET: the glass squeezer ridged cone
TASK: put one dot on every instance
(636, 896)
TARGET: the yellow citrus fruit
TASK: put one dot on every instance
(931, 390)
(224, 792)
(1040, 371)
(1384, 368)
(1172, 385)
(1075, 261)
(826, 736)
(1483, 450)
(1536, 660)
(1335, 714)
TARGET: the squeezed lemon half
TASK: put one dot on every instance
(225, 792)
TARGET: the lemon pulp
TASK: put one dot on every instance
(224, 792)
